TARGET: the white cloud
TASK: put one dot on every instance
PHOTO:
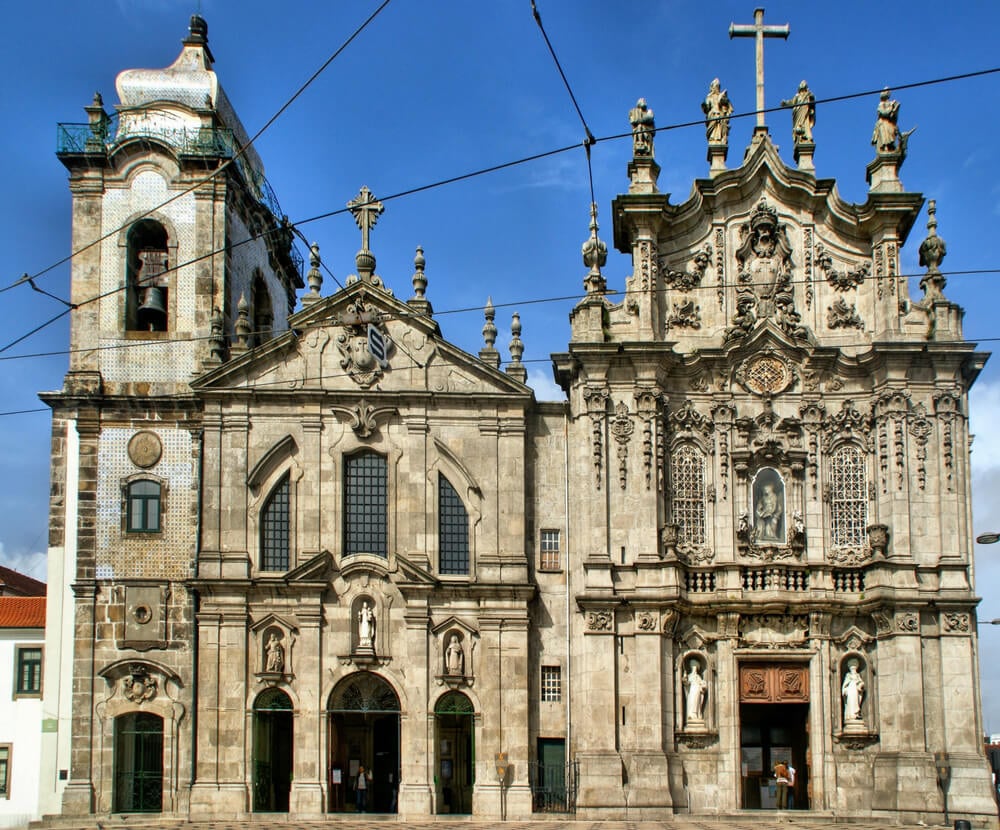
(34, 565)
(545, 387)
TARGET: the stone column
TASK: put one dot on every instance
(235, 562)
(416, 728)
(209, 564)
(306, 797)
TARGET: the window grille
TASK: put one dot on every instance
(275, 529)
(687, 476)
(366, 504)
(551, 684)
(29, 672)
(849, 498)
(550, 558)
(4, 770)
(453, 530)
(143, 507)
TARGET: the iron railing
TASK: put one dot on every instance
(554, 786)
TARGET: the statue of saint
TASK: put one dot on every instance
(853, 692)
(454, 657)
(275, 652)
(641, 119)
(768, 513)
(803, 106)
(886, 130)
(695, 691)
(366, 627)
(717, 109)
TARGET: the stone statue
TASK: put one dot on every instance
(767, 515)
(366, 627)
(886, 130)
(803, 105)
(275, 652)
(695, 691)
(641, 119)
(852, 691)
(717, 109)
(454, 657)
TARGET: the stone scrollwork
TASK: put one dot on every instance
(683, 315)
(907, 622)
(622, 428)
(686, 280)
(843, 316)
(774, 631)
(841, 280)
(601, 619)
(596, 399)
(138, 686)
(955, 622)
(361, 365)
(646, 621)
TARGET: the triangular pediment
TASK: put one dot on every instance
(454, 622)
(320, 568)
(273, 619)
(327, 349)
(409, 572)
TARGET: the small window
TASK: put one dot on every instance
(688, 502)
(5, 770)
(550, 558)
(143, 507)
(849, 498)
(453, 530)
(28, 676)
(551, 684)
(275, 529)
(366, 508)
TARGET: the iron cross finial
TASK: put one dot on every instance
(366, 209)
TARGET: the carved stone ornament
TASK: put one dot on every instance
(683, 315)
(856, 742)
(955, 622)
(774, 631)
(843, 316)
(622, 428)
(600, 620)
(840, 280)
(646, 621)
(849, 556)
(357, 360)
(138, 686)
(907, 622)
(765, 374)
(697, 740)
(145, 449)
(690, 420)
(691, 278)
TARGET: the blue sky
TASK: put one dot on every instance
(437, 89)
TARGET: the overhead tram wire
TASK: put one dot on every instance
(493, 169)
(215, 173)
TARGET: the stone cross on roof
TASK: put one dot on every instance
(366, 209)
(759, 31)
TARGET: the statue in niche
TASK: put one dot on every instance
(803, 105)
(366, 628)
(717, 109)
(695, 692)
(768, 506)
(852, 690)
(643, 127)
(274, 653)
(454, 657)
(765, 260)
(886, 131)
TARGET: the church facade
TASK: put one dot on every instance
(324, 560)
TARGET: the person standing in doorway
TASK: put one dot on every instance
(781, 779)
(361, 788)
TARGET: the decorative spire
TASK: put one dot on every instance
(595, 255)
(932, 251)
(242, 327)
(516, 369)
(419, 300)
(314, 277)
(366, 210)
(489, 354)
(217, 341)
(198, 35)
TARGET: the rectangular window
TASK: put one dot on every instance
(4, 770)
(366, 504)
(550, 557)
(453, 521)
(551, 684)
(143, 507)
(28, 679)
(275, 529)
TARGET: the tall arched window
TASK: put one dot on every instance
(275, 527)
(848, 497)
(148, 277)
(366, 504)
(687, 478)
(453, 530)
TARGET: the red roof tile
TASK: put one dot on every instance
(22, 612)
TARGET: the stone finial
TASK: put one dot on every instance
(314, 277)
(419, 300)
(595, 255)
(932, 251)
(99, 122)
(217, 340)
(643, 129)
(242, 327)
(489, 354)
(198, 36)
(516, 369)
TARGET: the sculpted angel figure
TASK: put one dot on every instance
(717, 109)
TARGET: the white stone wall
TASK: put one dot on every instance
(21, 727)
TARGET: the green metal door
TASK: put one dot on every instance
(138, 763)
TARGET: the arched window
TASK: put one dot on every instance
(263, 316)
(148, 277)
(275, 529)
(366, 504)
(687, 478)
(453, 530)
(848, 497)
(143, 507)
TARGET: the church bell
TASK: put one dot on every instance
(152, 314)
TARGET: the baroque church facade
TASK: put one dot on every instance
(311, 542)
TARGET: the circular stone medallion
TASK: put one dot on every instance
(767, 375)
(145, 449)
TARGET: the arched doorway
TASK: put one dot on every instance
(455, 768)
(272, 751)
(363, 731)
(138, 763)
